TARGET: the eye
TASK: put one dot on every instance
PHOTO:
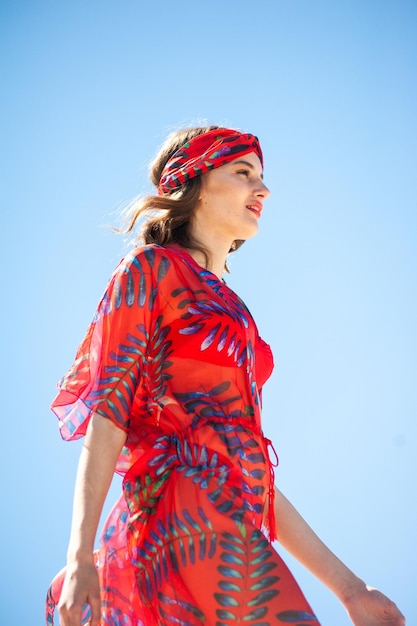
(244, 172)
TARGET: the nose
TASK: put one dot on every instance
(262, 190)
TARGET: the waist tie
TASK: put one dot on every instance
(147, 479)
(270, 522)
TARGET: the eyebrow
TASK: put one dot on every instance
(243, 162)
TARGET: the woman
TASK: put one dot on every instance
(166, 388)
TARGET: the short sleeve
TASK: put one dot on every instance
(109, 361)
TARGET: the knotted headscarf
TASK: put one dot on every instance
(206, 152)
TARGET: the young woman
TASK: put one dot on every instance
(166, 389)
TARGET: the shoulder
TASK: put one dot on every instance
(149, 259)
(140, 277)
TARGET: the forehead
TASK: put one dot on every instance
(251, 160)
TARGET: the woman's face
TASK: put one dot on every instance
(231, 200)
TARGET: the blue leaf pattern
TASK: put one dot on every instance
(171, 357)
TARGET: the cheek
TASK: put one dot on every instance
(219, 194)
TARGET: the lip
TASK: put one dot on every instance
(255, 208)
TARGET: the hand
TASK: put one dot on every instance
(81, 586)
(369, 607)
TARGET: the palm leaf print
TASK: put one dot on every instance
(170, 356)
(168, 604)
(207, 403)
(296, 617)
(180, 539)
(245, 569)
(200, 313)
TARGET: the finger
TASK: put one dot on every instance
(395, 614)
(95, 606)
(69, 616)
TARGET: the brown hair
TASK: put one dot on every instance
(168, 218)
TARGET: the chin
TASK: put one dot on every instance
(248, 233)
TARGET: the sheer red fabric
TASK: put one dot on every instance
(173, 357)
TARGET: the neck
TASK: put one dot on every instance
(217, 251)
(213, 265)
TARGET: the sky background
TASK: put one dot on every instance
(89, 91)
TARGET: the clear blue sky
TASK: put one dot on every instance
(90, 89)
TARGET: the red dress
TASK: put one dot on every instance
(173, 357)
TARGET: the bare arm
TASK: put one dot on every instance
(103, 443)
(366, 606)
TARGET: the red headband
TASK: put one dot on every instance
(203, 153)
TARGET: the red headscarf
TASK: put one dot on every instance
(205, 152)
